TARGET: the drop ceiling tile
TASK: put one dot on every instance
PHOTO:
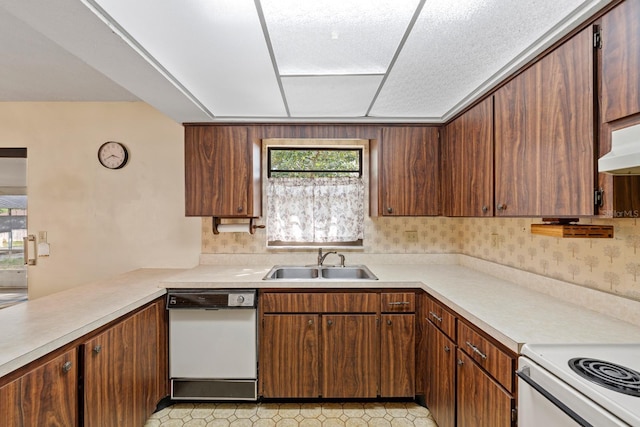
(458, 45)
(216, 49)
(330, 96)
(336, 36)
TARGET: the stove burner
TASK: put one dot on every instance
(608, 375)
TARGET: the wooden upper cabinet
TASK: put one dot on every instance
(468, 163)
(222, 172)
(408, 167)
(621, 61)
(544, 135)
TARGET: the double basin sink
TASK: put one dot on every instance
(352, 272)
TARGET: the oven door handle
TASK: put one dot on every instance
(524, 375)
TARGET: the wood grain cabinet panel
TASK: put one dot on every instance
(481, 402)
(397, 302)
(125, 370)
(544, 135)
(289, 356)
(409, 172)
(350, 358)
(442, 318)
(397, 355)
(495, 361)
(468, 163)
(440, 393)
(621, 61)
(44, 396)
(222, 172)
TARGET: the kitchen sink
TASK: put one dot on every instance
(350, 272)
(288, 272)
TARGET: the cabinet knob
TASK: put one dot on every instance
(447, 349)
(502, 207)
(329, 322)
(389, 322)
(310, 322)
(239, 208)
(460, 362)
(66, 367)
(97, 349)
(485, 208)
(389, 210)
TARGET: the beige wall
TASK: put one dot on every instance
(101, 222)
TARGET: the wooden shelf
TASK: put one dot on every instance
(564, 229)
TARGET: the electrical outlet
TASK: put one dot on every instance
(495, 240)
(42, 236)
(411, 236)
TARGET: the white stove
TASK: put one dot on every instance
(578, 384)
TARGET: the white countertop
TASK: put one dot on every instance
(511, 313)
(34, 328)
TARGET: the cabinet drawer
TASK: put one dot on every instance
(495, 361)
(442, 318)
(398, 302)
(359, 302)
(297, 302)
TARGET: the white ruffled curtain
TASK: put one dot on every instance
(315, 209)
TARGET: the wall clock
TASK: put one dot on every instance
(113, 155)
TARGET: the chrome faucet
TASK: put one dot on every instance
(322, 256)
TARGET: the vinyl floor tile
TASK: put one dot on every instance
(348, 414)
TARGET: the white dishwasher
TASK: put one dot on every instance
(212, 344)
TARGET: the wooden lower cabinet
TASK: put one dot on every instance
(289, 355)
(125, 370)
(397, 355)
(337, 344)
(481, 401)
(44, 396)
(349, 356)
(440, 393)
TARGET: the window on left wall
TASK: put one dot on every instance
(315, 197)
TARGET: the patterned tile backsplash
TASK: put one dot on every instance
(609, 265)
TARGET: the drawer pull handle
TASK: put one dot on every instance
(400, 303)
(66, 367)
(475, 350)
(435, 316)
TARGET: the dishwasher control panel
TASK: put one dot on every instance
(210, 299)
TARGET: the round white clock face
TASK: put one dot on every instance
(113, 155)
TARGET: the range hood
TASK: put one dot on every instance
(624, 157)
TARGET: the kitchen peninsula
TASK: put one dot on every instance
(507, 313)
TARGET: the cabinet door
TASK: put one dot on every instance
(567, 152)
(621, 61)
(516, 149)
(409, 168)
(350, 356)
(397, 355)
(289, 356)
(123, 379)
(218, 171)
(468, 163)
(45, 396)
(544, 135)
(481, 402)
(441, 385)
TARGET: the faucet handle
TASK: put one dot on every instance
(341, 260)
